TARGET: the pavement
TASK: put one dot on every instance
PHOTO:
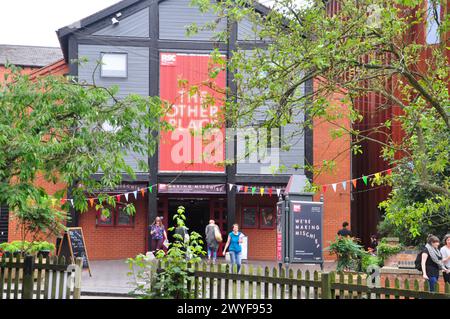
(109, 278)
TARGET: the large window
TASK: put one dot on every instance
(262, 217)
(118, 217)
(433, 21)
(114, 65)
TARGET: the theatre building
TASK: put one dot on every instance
(145, 50)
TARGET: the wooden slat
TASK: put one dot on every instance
(39, 278)
(282, 287)
(359, 283)
(341, 281)
(387, 284)
(307, 278)
(291, 287)
(219, 282)
(266, 284)
(350, 281)
(332, 281)
(211, 284)
(54, 279)
(196, 282)
(17, 272)
(2, 275)
(299, 287)
(258, 283)
(234, 282)
(250, 283)
(227, 282)
(61, 261)
(316, 289)
(274, 284)
(397, 286)
(204, 279)
(242, 283)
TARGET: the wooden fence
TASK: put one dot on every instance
(222, 282)
(41, 278)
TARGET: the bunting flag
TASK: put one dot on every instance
(377, 175)
(389, 172)
(126, 196)
(334, 187)
(261, 191)
(53, 201)
(150, 189)
(230, 186)
(135, 194)
(143, 192)
(270, 191)
(253, 190)
(238, 188)
(245, 189)
(91, 200)
(364, 178)
(354, 182)
(118, 198)
(63, 201)
(278, 192)
(324, 188)
(344, 185)
(71, 202)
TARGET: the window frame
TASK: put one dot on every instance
(256, 226)
(274, 223)
(114, 211)
(115, 76)
(116, 223)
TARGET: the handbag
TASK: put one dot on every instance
(217, 234)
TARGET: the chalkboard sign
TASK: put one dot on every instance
(73, 246)
(306, 230)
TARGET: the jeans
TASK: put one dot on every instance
(212, 251)
(432, 282)
(236, 259)
(156, 244)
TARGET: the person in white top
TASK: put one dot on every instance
(445, 251)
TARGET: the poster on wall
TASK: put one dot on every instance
(306, 230)
(189, 147)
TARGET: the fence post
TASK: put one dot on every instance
(78, 270)
(27, 289)
(326, 286)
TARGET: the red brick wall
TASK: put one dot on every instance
(115, 242)
(261, 242)
(336, 204)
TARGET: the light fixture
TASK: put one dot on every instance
(114, 21)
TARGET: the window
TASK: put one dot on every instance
(433, 21)
(258, 217)
(250, 217)
(114, 65)
(267, 217)
(118, 217)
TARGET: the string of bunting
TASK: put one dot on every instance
(323, 188)
(239, 188)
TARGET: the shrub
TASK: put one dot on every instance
(348, 253)
(168, 282)
(385, 250)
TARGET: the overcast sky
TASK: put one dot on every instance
(34, 22)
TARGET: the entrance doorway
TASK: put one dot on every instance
(197, 214)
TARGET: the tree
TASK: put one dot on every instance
(368, 48)
(56, 130)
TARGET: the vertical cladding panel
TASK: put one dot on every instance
(137, 81)
(136, 25)
(246, 30)
(176, 15)
(291, 153)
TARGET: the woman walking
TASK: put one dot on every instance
(213, 239)
(234, 243)
(158, 235)
(445, 251)
(432, 262)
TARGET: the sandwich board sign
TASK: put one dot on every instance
(73, 245)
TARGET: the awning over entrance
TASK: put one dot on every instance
(192, 189)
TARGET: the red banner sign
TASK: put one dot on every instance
(188, 147)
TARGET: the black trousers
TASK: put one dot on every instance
(446, 278)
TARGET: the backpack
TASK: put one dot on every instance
(418, 261)
(217, 234)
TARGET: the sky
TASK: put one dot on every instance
(34, 22)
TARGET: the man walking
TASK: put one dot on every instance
(213, 238)
(344, 232)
